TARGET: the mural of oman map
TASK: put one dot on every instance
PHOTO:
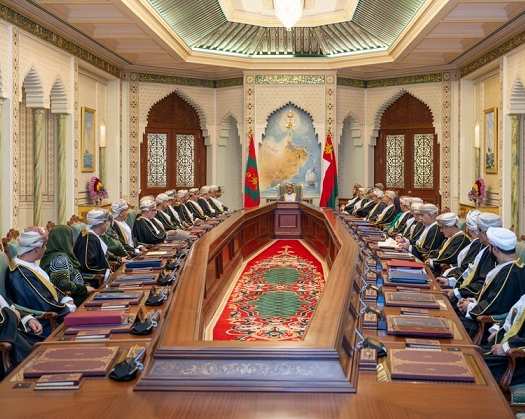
(289, 152)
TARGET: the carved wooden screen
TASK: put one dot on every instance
(407, 152)
(173, 155)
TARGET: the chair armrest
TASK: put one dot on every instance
(482, 325)
(513, 355)
(5, 352)
(51, 317)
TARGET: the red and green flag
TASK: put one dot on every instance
(329, 191)
(251, 178)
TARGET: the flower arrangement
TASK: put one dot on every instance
(478, 193)
(96, 190)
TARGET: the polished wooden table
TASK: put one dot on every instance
(208, 271)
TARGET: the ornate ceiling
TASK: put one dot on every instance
(217, 39)
(204, 26)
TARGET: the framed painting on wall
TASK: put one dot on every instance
(491, 140)
(88, 140)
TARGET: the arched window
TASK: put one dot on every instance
(407, 151)
(173, 154)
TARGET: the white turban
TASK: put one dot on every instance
(147, 203)
(96, 216)
(416, 207)
(471, 220)
(214, 188)
(447, 219)
(30, 240)
(119, 207)
(487, 220)
(181, 193)
(391, 194)
(162, 197)
(171, 193)
(502, 238)
(405, 200)
(363, 190)
(194, 190)
(378, 193)
(429, 209)
(416, 199)
(205, 189)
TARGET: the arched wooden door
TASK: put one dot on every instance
(407, 151)
(172, 153)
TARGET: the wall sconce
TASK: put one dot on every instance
(102, 136)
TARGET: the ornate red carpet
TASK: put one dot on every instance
(275, 297)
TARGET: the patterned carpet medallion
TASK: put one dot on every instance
(275, 297)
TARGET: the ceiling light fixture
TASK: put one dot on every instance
(288, 11)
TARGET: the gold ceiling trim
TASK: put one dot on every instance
(28, 25)
(502, 49)
(288, 79)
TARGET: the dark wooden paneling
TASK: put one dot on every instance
(407, 116)
(172, 116)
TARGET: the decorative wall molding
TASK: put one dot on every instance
(493, 54)
(400, 81)
(134, 143)
(181, 81)
(446, 86)
(289, 79)
(58, 41)
(15, 39)
(76, 132)
(394, 81)
(344, 81)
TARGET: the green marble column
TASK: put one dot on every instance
(39, 163)
(61, 127)
(515, 159)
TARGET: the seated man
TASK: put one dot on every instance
(379, 206)
(147, 229)
(174, 208)
(14, 330)
(449, 277)
(503, 285)
(397, 225)
(215, 199)
(502, 339)
(289, 195)
(205, 204)
(90, 249)
(29, 286)
(120, 229)
(349, 206)
(456, 241)
(430, 239)
(363, 199)
(163, 214)
(193, 206)
(62, 266)
(389, 211)
(472, 279)
(372, 199)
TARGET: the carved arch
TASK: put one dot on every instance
(34, 89)
(58, 97)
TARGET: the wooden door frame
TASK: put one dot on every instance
(380, 163)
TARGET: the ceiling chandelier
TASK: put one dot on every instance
(288, 11)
